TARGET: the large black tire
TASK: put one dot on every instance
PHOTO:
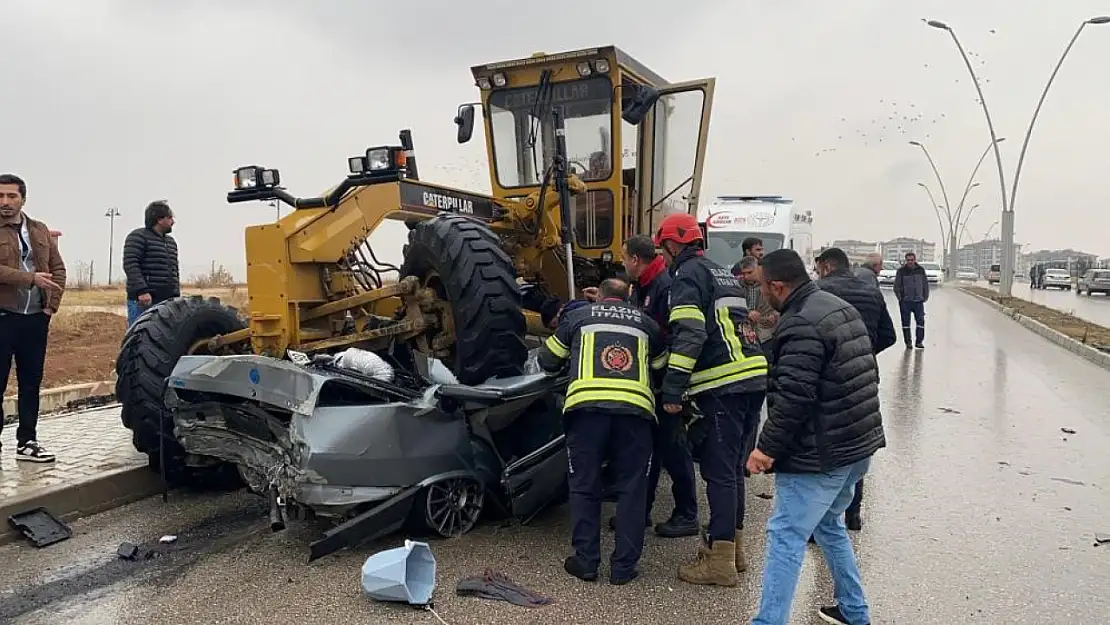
(478, 279)
(148, 354)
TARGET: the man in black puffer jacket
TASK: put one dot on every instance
(838, 279)
(150, 262)
(823, 426)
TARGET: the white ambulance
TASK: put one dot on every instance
(729, 219)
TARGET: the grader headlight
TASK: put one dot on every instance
(386, 158)
(255, 177)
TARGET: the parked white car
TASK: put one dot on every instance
(933, 273)
(967, 273)
(886, 276)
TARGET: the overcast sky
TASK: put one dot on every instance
(119, 102)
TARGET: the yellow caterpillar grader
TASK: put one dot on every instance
(585, 149)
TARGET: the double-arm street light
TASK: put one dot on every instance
(1008, 261)
(955, 218)
(940, 222)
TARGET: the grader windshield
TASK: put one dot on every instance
(523, 135)
(636, 140)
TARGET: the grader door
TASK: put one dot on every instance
(671, 153)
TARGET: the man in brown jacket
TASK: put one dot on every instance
(32, 278)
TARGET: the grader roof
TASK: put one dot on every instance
(624, 60)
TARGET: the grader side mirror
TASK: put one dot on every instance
(465, 121)
(636, 102)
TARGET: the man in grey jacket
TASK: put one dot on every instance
(869, 269)
(911, 288)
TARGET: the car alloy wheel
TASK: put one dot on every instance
(453, 506)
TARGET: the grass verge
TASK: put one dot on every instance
(1079, 329)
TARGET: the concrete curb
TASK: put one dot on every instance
(103, 492)
(65, 399)
(1087, 352)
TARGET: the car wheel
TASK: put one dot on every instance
(450, 508)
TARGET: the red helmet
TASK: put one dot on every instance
(678, 227)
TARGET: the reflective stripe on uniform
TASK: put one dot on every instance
(728, 328)
(660, 361)
(611, 395)
(723, 375)
(556, 347)
(680, 362)
(686, 312)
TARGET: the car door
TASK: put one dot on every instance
(540, 478)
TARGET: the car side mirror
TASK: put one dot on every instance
(465, 121)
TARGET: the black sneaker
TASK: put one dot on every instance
(919, 346)
(677, 527)
(832, 615)
(853, 521)
(576, 567)
(909, 345)
(31, 451)
(621, 580)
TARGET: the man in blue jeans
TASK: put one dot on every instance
(823, 425)
(911, 288)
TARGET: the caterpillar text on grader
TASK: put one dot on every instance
(325, 394)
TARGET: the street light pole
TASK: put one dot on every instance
(940, 223)
(951, 245)
(971, 180)
(1008, 260)
(963, 226)
(111, 214)
(1007, 269)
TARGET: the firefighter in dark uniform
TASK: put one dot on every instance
(613, 349)
(716, 360)
(651, 289)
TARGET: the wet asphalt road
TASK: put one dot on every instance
(1093, 308)
(981, 510)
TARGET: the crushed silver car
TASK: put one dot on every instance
(358, 439)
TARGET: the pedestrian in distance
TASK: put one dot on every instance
(32, 280)
(838, 279)
(823, 427)
(911, 289)
(716, 361)
(869, 269)
(150, 261)
(612, 348)
(651, 291)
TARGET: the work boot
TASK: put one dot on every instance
(715, 566)
(577, 567)
(741, 557)
(853, 521)
(677, 527)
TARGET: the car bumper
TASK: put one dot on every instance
(1059, 283)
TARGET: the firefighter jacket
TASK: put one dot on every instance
(612, 347)
(713, 346)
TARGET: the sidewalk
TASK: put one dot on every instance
(96, 469)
